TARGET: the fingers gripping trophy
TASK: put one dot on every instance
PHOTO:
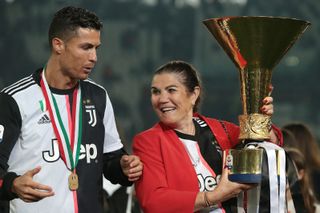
(255, 45)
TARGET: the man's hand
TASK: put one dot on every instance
(29, 190)
(131, 166)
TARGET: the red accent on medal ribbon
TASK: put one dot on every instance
(52, 121)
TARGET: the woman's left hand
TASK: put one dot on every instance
(267, 107)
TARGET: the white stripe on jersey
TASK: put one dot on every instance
(92, 82)
(200, 122)
(17, 84)
(21, 87)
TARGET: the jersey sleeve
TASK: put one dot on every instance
(112, 140)
(113, 148)
(112, 169)
(10, 125)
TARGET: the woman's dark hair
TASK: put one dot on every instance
(306, 188)
(189, 76)
(66, 22)
(289, 140)
(306, 143)
(308, 146)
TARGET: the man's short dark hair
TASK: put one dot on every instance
(66, 22)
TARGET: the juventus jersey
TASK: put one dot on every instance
(27, 140)
(206, 157)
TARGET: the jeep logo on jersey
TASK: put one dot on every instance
(87, 151)
(207, 183)
(1, 132)
(92, 114)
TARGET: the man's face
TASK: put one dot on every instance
(79, 55)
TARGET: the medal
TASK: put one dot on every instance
(68, 141)
(73, 181)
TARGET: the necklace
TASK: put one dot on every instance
(192, 152)
(195, 160)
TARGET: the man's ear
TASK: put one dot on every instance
(57, 45)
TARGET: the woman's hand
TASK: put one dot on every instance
(267, 107)
(225, 190)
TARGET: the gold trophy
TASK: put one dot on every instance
(255, 45)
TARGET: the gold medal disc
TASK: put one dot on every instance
(73, 181)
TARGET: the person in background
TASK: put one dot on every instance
(58, 133)
(289, 140)
(307, 144)
(310, 203)
(182, 153)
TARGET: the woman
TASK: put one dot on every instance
(308, 198)
(182, 154)
(308, 145)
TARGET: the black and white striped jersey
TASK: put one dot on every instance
(27, 140)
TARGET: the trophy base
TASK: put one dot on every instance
(245, 178)
(245, 164)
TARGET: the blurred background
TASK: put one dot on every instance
(140, 35)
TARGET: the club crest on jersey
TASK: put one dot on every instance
(92, 115)
(207, 183)
(1, 132)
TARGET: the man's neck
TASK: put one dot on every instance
(56, 78)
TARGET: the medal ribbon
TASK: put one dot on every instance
(69, 146)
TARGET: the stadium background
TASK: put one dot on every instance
(140, 35)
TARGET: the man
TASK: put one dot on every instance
(57, 128)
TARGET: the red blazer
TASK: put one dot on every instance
(169, 182)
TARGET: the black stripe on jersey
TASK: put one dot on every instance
(17, 84)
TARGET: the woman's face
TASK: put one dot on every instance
(171, 100)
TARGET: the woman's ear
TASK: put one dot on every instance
(196, 93)
(301, 174)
